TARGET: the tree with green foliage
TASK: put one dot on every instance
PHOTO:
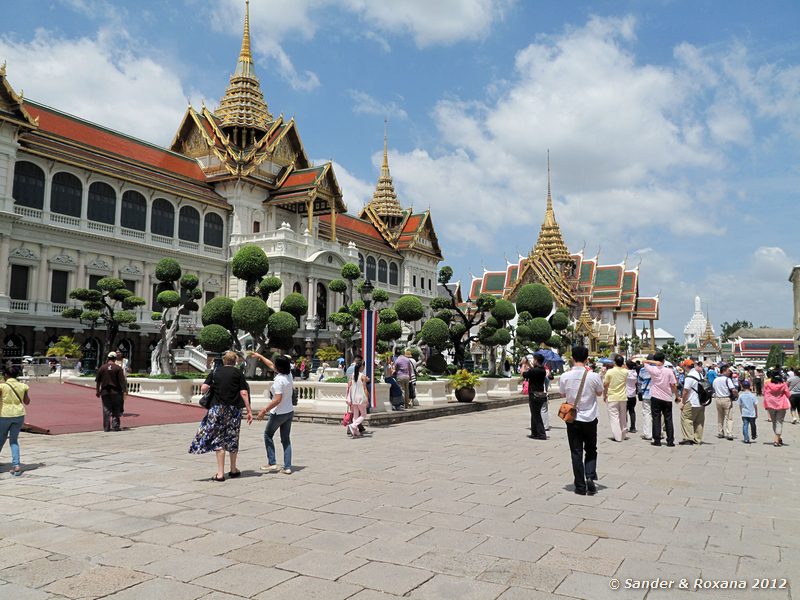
(409, 310)
(775, 358)
(465, 317)
(66, 347)
(497, 332)
(536, 299)
(111, 304)
(173, 306)
(728, 329)
(674, 352)
(214, 338)
(436, 334)
(389, 327)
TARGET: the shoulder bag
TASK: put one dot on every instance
(567, 412)
(205, 399)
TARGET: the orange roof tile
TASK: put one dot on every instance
(348, 223)
(77, 130)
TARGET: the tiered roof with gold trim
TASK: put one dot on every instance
(243, 104)
(384, 200)
(550, 240)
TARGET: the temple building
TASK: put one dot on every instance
(603, 299)
(696, 327)
(79, 201)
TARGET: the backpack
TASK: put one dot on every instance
(705, 391)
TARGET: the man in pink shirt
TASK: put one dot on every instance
(663, 389)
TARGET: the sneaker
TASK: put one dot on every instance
(270, 468)
(286, 471)
(591, 488)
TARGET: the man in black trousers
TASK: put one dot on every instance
(537, 396)
(582, 388)
(111, 384)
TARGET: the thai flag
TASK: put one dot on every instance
(369, 335)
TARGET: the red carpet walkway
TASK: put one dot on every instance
(66, 408)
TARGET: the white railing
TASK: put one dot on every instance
(161, 239)
(104, 227)
(132, 233)
(212, 249)
(195, 356)
(20, 305)
(26, 211)
(188, 245)
(65, 220)
(57, 309)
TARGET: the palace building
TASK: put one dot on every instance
(79, 201)
(604, 300)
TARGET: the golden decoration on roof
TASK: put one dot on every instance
(585, 324)
(709, 339)
(243, 104)
(384, 200)
(550, 239)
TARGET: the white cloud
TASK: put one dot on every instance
(115, 85)
(369, 105)
(437, 22)
(355, 192)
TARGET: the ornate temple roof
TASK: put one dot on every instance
(243, 104)
(697, 324)
(550, 239)
(384, 200)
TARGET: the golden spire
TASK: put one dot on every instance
(243, 104)
(384, 199)
(550, 240)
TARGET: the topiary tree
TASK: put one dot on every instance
(535, 299)
(215, 338)
(250, 264)
(389, 327)
(555, 341)
(436, 334)
(296, 305)
(502, 312)
(173, 305)
(775, 357)
(350, 272)
(111, 305)
(559, 321)
(409, 310)
(282, 326)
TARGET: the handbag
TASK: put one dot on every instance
(567, 412)
(347, 418)
(205, 399)
(525, 387)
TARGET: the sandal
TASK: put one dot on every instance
(215, 478)
(234, 474)
(16, 471)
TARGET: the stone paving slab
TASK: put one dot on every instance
(459, 507)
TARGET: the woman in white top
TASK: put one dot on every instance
(357, 396)
(281, 413)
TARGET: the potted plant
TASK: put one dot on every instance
(67, 350)
(463, 383)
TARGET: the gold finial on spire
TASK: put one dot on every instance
(550, 240)
(384, 199)
(243, 104)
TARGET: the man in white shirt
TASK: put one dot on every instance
(582, 432)
(725, 394)
(693, 414)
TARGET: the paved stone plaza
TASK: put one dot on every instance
(461, 507)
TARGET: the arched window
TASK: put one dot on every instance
(28, 185)
(394, 278)
(65, 197)
(212, 230)
(162, 218)
(102, 203)
(134, 211)
(297, 288)
(189, 224)
(370, 268)
(382, 276)
(361, 261)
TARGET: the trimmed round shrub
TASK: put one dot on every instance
(71, 313)
(387, 315)
(409, 309)
(295, 304)
(83, 294)
(524, 332)
(524, 316)
(444, 315)
(214, 338)
(457, 331)
(189, 281)
(389, 331)
(218, 311)
(120, 294)
(250, 263)
(440, 303)
(436, 364)
(337, 286)
(382, 347)
(351, 271)
(504, 310)
(555, 341)
(436, 333)
(91, 315)
(356, 308)
(168, 269)
(169, 299)
(197, 293)
(415, 352)
(155, 316)
(445, 275)
(559, 321)
(485, 302)
(250, 314)
(342, 319)
(108, 284)
(536, 299)
(125, 317)
(270, 285)
(540, 330)
(92, 305)
(191, 306)
(282, 325)
(502, 337)
(133, 302)
(380, 295)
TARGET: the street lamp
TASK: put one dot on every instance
(366, 293)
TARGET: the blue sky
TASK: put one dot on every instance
(673, 126)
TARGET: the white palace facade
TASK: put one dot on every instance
(79, 202)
